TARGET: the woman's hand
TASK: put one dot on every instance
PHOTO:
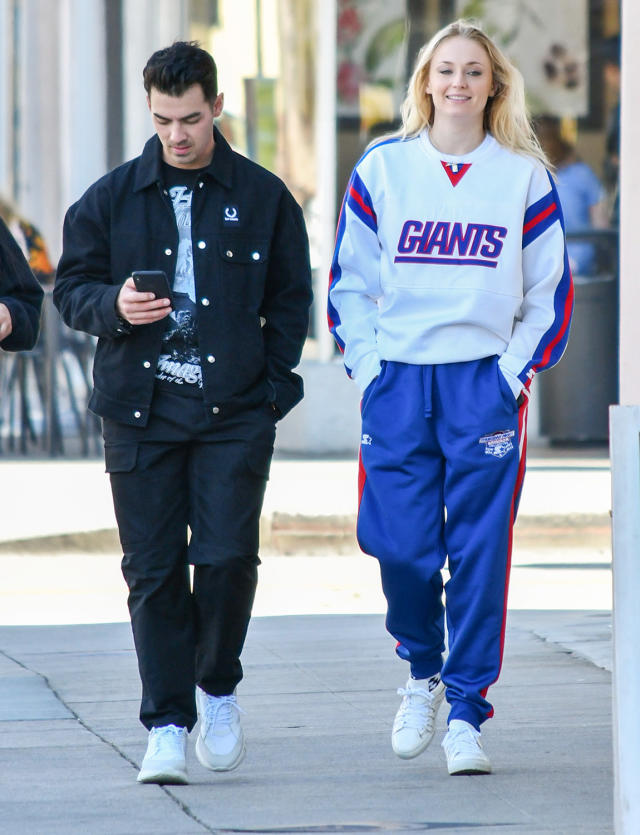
(6, 325)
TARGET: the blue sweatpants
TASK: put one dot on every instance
(442, 462)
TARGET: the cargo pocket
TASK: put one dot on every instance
(120, 458)
(259, 460)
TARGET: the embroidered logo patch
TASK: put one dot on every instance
(367, 440)
(498, 444)
(231, 215)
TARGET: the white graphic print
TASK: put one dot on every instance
(498, 444)
(179, 361)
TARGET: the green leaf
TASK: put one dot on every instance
(384, 43)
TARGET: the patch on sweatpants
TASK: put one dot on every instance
(498, 444)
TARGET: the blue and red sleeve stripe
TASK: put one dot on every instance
(539, 217)
(335, 274)
(358, 200)
(360, 203)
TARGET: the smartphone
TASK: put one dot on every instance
(153, 281)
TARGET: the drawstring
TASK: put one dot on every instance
(427, 381)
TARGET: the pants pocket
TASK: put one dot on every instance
(120, 458)
(505, 390)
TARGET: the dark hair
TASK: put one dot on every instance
(175, 68)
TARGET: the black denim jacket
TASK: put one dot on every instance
(252, 277)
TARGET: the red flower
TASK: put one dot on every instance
(349, 25)
(350, 76)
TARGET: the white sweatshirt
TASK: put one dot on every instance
(444, 259)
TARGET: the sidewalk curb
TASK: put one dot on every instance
(285, 533)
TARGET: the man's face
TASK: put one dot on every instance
(184, 125)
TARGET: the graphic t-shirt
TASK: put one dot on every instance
(179, 367)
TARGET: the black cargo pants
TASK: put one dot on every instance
(180, 473)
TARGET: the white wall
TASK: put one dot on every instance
(148, 25)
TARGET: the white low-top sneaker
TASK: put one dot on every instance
(464, 750)
(415, 722)
(165, 760)
(220, 744)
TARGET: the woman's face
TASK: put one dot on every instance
(460, 79)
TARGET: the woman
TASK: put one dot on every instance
(450, 289)
(20, 297)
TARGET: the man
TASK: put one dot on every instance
(189, 389)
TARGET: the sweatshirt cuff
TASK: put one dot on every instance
(515, 383)
(368, 369)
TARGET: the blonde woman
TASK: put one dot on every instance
(450, 289)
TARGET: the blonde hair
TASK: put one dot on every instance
(505, 115)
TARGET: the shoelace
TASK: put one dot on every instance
(414, 712)
(166, 735)
(220, 710)
(466, 740)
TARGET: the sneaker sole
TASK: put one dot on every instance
(470, 768)
(166, 777)
(202, 753)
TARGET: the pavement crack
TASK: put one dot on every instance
(136, 766)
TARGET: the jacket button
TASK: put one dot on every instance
(205, 302)
(215, 410)
(200, 184)
(255, 256)
(167, 251)
(229, 254)
(147, 364)
(202, 245)
(211, 358)
(137, 414)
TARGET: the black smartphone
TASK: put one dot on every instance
(152, 281)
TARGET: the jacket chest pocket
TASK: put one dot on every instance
(244, 268)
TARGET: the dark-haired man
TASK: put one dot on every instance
(189, 389)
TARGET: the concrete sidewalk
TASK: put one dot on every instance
(319, 695)
(320, 672)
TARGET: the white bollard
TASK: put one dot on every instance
(625, 478)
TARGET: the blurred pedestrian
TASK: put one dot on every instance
(583, 198)
(30, 241)
(20, 297)
(189, 381)
(449, 290)
(609, 50)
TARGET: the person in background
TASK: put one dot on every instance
(20, 297)
(449, 291)
(30, 242)
(609, 50)
(583, 198)
(189, 383)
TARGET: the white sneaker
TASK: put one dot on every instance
(165, 760)
(220, 743)
(464, 750)
(415, 722)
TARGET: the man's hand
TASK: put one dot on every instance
(140, 308)
(6, 325)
